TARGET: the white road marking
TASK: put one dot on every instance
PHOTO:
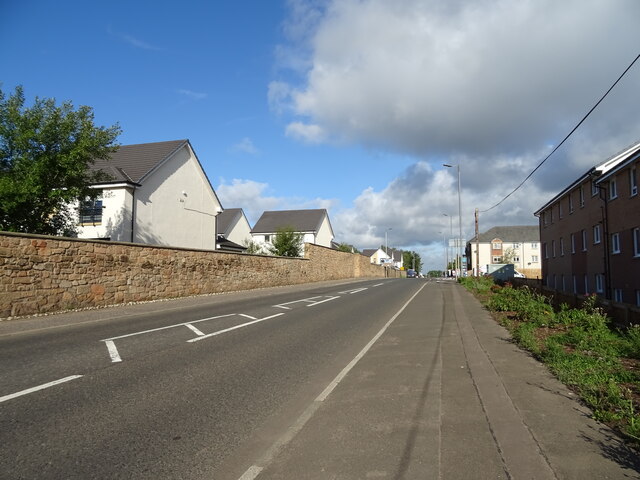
(377, 285)
(255, 470)
(167, 327)
(219, 332)
(247, 316)
(322, 301)
(355, 290)
(113, 351)
(193, 329)
(39, 387)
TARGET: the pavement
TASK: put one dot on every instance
(444, 394)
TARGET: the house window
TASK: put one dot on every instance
(564, 287)
(516, 259)
(599, 283)
(553, 248)
(573, 243)
(546, 250)
(91, 211)
(636, 242)
(560, 210)
(534, 258)
(570, 203)
(617, 295)
(613, 189)
(516, 245)
(497, 259)
(594, 188)
(534, 245)
(584, 240)
(586, 284)
(633, 182)
(596, 234)
(267, 238)
(581, 196)
(561, 247)
(615, 243)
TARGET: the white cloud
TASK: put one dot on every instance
(245, 146)
(131, 40)
(485, 84)
(191, 94)
(306, 132)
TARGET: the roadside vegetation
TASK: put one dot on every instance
(580, 346)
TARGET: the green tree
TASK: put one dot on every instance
(253, 247)
(412, 260)
(345, 247)
(45, 155)
(287, 243)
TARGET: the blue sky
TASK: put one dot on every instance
(350, 105)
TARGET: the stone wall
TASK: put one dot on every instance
(40, 274)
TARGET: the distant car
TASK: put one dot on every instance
(412, 274)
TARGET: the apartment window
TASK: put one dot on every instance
(553, 248)
(615, 243)
(594, 188)
(613, 189)
(596, 234)
(562, 247)
(617, 295)
(584, 240)
(564, 287)
(570, 203)
(560, 209)
(633, 182)
(91, 211)
(586, 284)
(546, 250)
(581, 196)
(497, 259)
(573, 243)
(534, 245)
(551, 214)
(534, 259)
(599, 283)
(636, 242)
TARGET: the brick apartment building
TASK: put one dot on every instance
(590, 232)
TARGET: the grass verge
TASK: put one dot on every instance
(599, 363)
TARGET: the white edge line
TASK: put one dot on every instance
(255, 470)
(39, 387)
(219, 332)
(113, 351)
(377, 285)
(327, 391)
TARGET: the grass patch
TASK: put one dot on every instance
(599, 363)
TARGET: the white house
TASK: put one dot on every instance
(521, 244)
(233, 229)
(157, 194)
(313, 224)
(377, 256)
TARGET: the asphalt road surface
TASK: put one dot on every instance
(184, 389)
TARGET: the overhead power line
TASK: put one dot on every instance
(567, 137)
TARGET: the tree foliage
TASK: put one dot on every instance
(412, 260)
(287, 243)
(345, 247)
(45, 155)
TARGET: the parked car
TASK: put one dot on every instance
(412, 274)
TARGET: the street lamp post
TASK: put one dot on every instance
(459, 216)
(450, 236)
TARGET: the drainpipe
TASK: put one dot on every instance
(605, 227)
(133, 213)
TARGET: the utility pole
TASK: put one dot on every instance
(477, 246)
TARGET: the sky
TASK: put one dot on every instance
(350, 105)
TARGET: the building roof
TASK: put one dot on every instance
(131, 163)
(227, 219)
(521, 233)
(595, 172)
(299, 220)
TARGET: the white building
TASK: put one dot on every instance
(519, 245)
(157, 193)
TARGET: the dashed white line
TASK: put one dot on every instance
(113, 351)
(193, 329)
(219, 332)
(39, 387)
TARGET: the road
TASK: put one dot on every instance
(177, 389)
(390, 378)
